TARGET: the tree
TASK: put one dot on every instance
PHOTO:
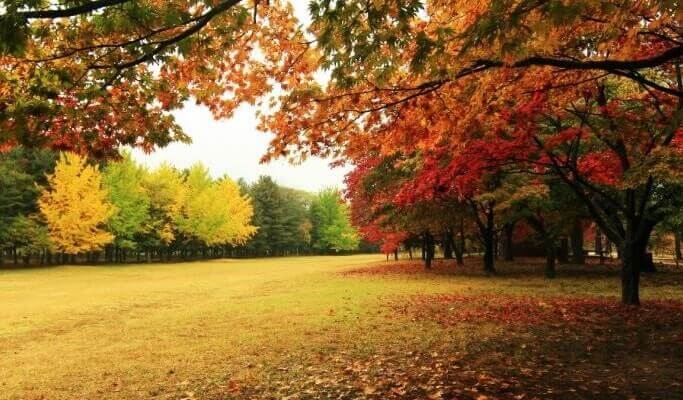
(123, 181)
(91, 76)
(238, 213)
(27, 236)
(586, 92)
(214, 213)
(281, 215)
(268, 216)
(75, 206)
(331, 226)
(20, 172)
(543, 207)
(167, 192)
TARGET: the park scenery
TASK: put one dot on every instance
(508, 225)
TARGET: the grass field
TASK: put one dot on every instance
(335, 327)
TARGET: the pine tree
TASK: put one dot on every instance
(268, 216)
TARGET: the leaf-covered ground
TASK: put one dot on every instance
(337, 328)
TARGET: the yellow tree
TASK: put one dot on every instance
(215, 213)
(167, 192)
(238, 210)
(75, 206)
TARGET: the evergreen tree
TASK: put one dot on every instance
(21, 171)
(269, 217)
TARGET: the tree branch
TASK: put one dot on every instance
(71, 12)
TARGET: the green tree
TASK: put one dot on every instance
(331, 226)
(268, 217)
(123, 180)
(21, 172)
(27, 236)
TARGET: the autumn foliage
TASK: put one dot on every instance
(509, 112)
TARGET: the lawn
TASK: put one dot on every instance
(336, 327)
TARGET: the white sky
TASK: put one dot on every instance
(234, 146)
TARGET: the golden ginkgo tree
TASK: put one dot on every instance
(75, 206)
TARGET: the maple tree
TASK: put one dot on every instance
(90, 76)
(588, 92)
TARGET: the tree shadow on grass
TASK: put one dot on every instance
(497, 347)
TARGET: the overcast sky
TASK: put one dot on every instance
(234, 147)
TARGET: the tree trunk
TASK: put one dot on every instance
(508, 231)
(429, 249)
(630, 274)
(576, 239)
(550, 254)
(489, 255)
(677, 246)
(562, 252)
(396, 254)
(489, 236)
(496, 245)
(459, 247)
(598, 245)
(447, 243)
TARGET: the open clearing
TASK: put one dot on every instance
(336, 327)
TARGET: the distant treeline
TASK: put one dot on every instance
(62, 208)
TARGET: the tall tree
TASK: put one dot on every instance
(167, 192)
(281, 215)
(331, 228)
(268, 216)
(90, 76)
(214, 212)
(123, 182)
(75, 206)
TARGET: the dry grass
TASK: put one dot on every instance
(318, 327)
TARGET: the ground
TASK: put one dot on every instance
(351, 327)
